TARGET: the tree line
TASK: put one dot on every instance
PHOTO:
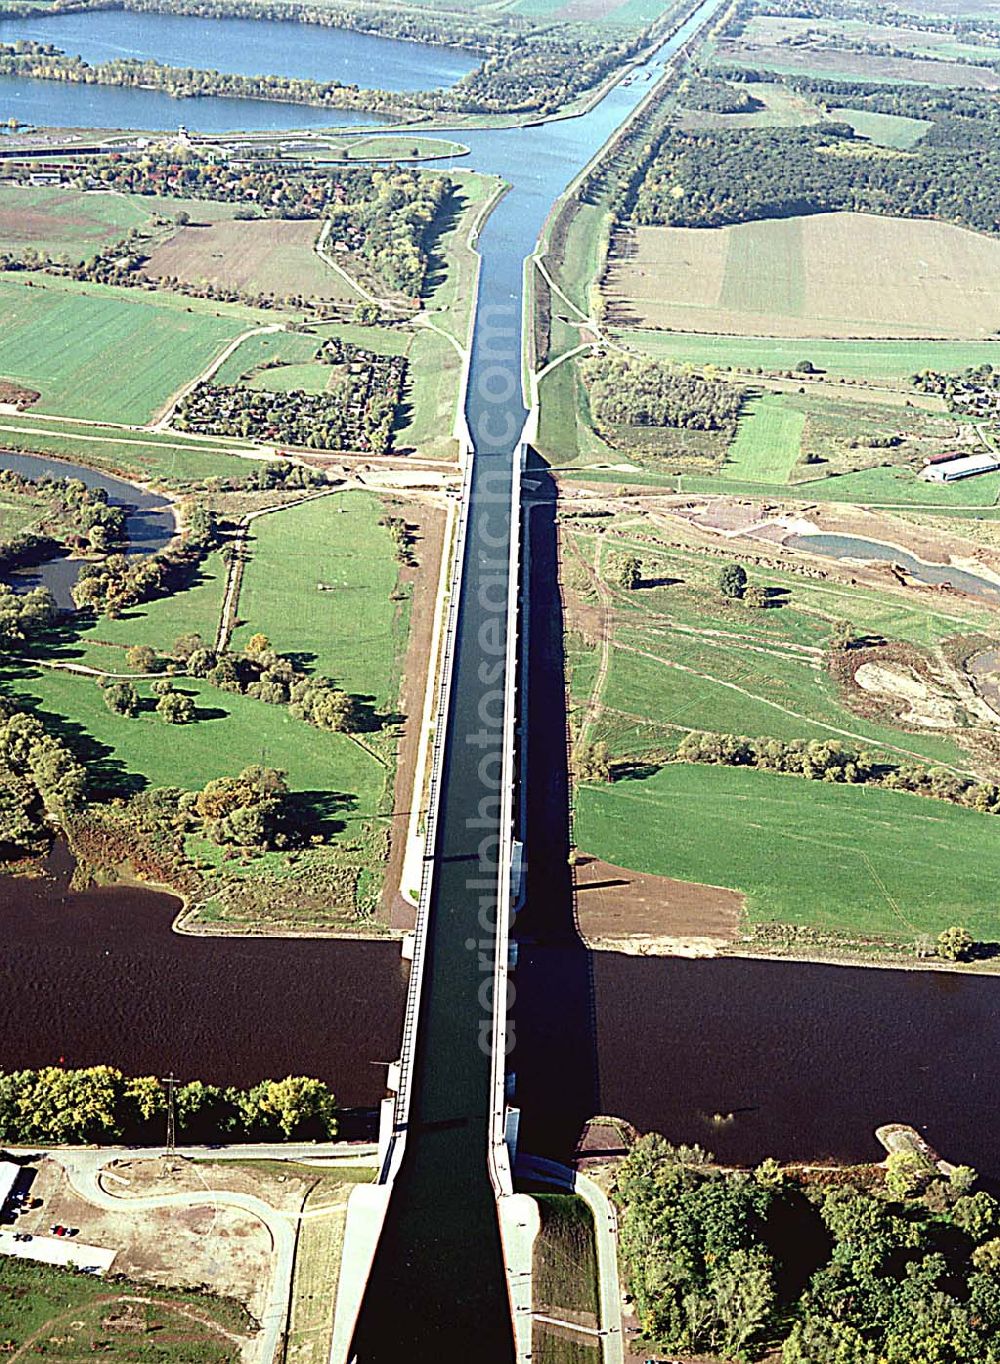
(834, 761)
(41, 782)
(899, 1265)
(531, 70)
(63, 1106)
(68, 516)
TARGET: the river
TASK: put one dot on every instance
(149, 520)
(807, 1059)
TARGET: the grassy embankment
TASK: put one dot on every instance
(564, 1282)
(317, 1264)
(852, 859)
(64, 1315)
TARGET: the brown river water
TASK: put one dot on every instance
(800, 1061)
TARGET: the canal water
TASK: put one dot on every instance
(247, 47)
(149, 520)
(856, 547)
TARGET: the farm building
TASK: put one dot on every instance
(954, 469)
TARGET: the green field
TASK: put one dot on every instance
(885, 130)
(869, 360)
(290, 348)
(231, 733)
(353, 633)
(69, 1310)
(768, 444)
(305, 378)
(682, 658)
(855, 859)
(104, 354)
(58, 221)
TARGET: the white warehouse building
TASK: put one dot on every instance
(954, 469)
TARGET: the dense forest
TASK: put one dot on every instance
(872, 1266)
(627, 390)
(734, 176)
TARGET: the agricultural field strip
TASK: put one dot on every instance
(205, 445)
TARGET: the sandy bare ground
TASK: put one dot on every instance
(169, 1247)
(626, 911)
(833, 275)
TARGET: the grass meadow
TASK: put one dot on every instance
(768, 444)
(171, 460)
(353, 633)
(59, 221)
(854, 859)
(870, 360)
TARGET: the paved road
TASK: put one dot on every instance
(84, 1166)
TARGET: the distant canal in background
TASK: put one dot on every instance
(798, 1061)
(248, 47)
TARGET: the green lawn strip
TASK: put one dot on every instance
(886, 487)
(231, 732)
(858, 859)
(170, 459)
(730, 690)
(38, 1296)
(448, 292)
(289, 378)
(768, 444)
(565, 433)
(426, 417)
(581, 256)
(290, 348)
(885, 130)
(351, 633)
(564, 1269)
(867, 360)
(101, 353)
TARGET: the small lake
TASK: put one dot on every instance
(149, 520)
(854, 547)
(248, 47)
